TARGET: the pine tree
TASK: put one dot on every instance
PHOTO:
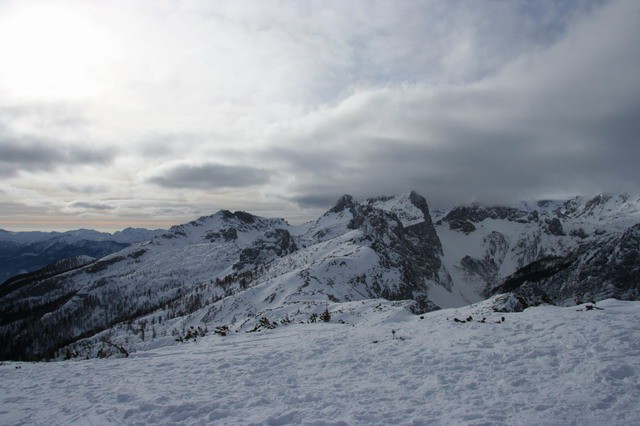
(326, 315)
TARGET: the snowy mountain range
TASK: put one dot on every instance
(236, 271)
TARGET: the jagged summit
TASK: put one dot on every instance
(222, 223)
(411, 208)
(345, 202)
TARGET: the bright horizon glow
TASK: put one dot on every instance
(72, 225)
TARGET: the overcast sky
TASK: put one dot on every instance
(151, 113)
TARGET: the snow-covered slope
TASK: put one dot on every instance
(544, 366)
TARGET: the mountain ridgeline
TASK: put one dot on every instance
(234, 270)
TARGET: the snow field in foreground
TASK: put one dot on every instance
(546, 365)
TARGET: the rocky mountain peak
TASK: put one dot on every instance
(245, 217)
(345, 202)
(419, 201)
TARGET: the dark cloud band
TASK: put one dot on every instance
(35, 155)
(209, 176)
(90, 206)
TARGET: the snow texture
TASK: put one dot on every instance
(382, 365)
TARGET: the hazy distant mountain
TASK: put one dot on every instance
(24, 252)
(248, 271)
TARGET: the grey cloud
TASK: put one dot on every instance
(552, 123)
(179, 144)
(13, 209)
(33, 155)
(322, 200)
(166, 144)
(460, 162)
(377, 43)
(85, 189)
(209, 176)
(90, 206)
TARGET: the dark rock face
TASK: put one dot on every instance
(464, 218)
(225, 234)
(596, 201)
(580, 233)
(344, 203)
(555, 227)
(229, 234)
(175, 232)
(534, 272)
(245, 217)
(415, 249)
(620, 261)
(275, 243)
(487, 269)
(463, 225)
(497, 246)
(606, 269)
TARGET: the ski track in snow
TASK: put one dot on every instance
(547, 365)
